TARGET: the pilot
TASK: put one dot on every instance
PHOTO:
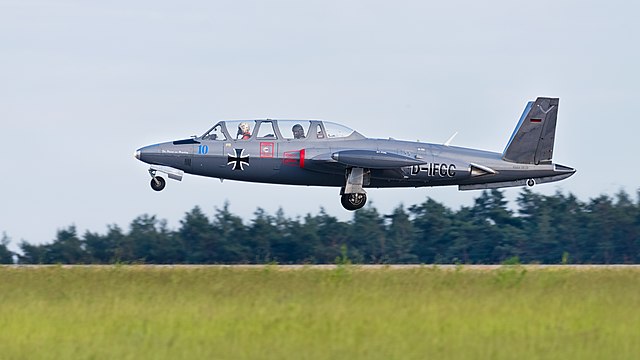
(298, 131)
(243, 129)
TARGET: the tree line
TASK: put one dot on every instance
(541, 229)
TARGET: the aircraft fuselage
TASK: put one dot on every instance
(317, 153)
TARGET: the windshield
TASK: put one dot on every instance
(215, 133)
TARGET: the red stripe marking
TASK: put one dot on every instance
(536, 120)
(302, 158)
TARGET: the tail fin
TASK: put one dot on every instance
(532, 140)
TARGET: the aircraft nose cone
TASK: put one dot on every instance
(148, 153)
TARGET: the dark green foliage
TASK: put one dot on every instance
(198, 238)
(6, 256)
(433, 224)
(400, 235)
(366, 240)
(541, 229)
(67, 248)
(106, 249)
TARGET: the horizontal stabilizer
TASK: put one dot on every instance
(560, 173)
(371, 159)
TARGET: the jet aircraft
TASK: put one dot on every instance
(322, 153)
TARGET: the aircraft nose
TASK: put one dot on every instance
(143, 153)
(148, 153)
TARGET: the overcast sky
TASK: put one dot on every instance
(83, 84)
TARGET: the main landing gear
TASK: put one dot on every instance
(352, 195)
(353, 201)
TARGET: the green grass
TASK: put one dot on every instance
(128, 312)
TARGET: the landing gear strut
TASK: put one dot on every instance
(353, 202)
(157, 182)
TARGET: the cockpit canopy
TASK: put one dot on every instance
(279, 129)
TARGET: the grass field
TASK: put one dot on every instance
(129, 312)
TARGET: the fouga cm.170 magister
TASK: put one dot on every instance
(321, 153)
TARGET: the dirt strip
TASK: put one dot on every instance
(445, 267)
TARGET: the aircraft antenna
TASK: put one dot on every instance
(448, 142)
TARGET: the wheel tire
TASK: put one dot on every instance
(531, 182)
(353, 202)
(158, 183)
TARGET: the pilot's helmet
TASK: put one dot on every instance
(244, 127)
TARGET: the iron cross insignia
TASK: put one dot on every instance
(239, 160)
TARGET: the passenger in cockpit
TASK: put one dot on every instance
(298, 131)
(244, 130)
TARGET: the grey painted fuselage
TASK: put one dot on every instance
(328, 154)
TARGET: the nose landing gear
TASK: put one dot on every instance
(157, 182)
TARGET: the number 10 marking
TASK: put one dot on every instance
(203, 149)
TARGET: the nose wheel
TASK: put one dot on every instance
(353, 202)
(158, 183)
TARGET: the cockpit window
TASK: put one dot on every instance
(294, 129)
(266, 131)
(272, 129)
(215, 134)
(336, 130)
(319, 132)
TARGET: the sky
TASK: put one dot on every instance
(83, 84)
